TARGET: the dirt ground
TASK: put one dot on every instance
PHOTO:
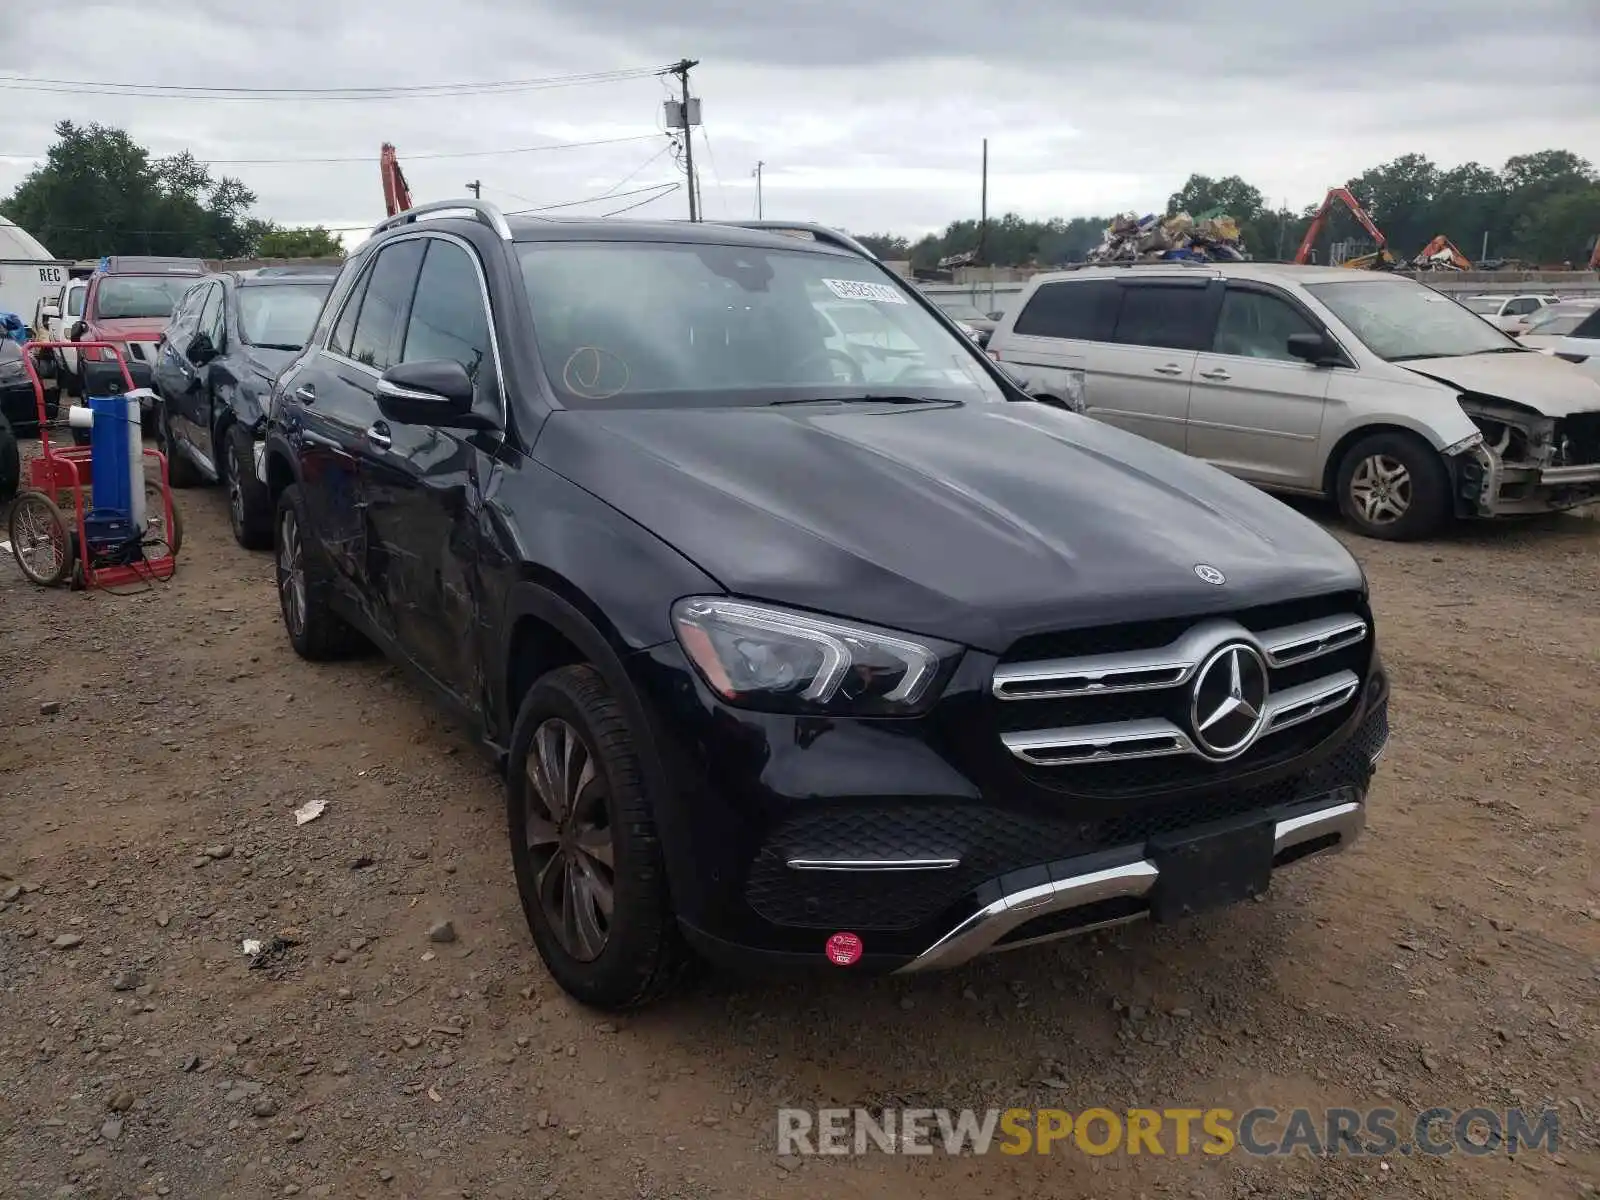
(154, 746)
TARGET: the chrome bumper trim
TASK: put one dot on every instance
(873, 864)
(979, 933)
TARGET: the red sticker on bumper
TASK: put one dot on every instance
(844, 949)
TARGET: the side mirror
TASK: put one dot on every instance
(200, 351)
(75, 334)
(437, 392)
(1314, 348)
(50, 312)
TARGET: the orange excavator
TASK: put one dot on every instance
(396, 195)
(1441, 254)
(1381, 260)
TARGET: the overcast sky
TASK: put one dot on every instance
(868, 113)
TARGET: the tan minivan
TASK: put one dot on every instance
(1367, 387)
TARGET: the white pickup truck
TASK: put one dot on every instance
(56, 316)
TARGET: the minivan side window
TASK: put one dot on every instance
(1257, 325)
(1173, 318)
(394, 278)
(1082, 309)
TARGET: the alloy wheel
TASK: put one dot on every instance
(235, 493)
(570, 846)
(1380, 487)
(291, 574)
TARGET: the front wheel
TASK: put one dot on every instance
(584, 848)
(181, 473)
(249, 505)
(1393, 486)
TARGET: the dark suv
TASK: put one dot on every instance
(784, 665)
(213, 370)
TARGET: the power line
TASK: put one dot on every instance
(591, 199)
(368, 158)
(640, 203)
(722, 197)
(172, 91)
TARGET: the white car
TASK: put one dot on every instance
(1547, 327)
(59, 315)
(1509, 313)
(1581, 346)
(1363, 386)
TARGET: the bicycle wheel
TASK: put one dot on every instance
(39, 539)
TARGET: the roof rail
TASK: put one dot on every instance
(818, 232)
(481, 210)
(1154, 262)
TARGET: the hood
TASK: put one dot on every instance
(979, 524)
(1538, 381)
(267, 362)
(123, 328)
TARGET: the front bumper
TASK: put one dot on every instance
(105, 379)
(782, 831)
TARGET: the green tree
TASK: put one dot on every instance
(315, 242)
(887, 246)
(1231, 196)
(99, 192)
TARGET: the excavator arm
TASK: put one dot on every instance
(396, 195)
(1308, 243)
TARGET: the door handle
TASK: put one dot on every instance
(378, 435)
(1219, 376)
(306, 394)
(1170, 369)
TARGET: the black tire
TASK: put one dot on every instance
(643, 955)
(181, 472)
(249, 503)
(314, 630)
(10, 463)
(40, 539)
(1393, 486)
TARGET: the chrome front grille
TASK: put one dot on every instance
(1094, 711)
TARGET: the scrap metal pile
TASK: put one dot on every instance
(1131, 238)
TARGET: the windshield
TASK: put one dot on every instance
(1399, 320)
(681, 323)
(1484, 306)
(124, 296)
(280, 315)
(1558, 320)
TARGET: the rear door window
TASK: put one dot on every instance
(1170, 316)
(1085, 310)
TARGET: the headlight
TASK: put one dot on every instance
(764, 657)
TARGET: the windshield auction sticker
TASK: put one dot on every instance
(856, 289)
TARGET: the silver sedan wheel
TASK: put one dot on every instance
(1380, 488)
(568, 830)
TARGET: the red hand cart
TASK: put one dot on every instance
(46, 547)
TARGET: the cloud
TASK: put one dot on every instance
(867, 113)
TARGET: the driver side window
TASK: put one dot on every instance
(1257, 325)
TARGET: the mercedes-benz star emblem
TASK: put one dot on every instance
(1230, 700)
(1210, 574)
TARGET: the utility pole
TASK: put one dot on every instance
(983, 212)
(685, 115)
(476, 188)
(760, 208)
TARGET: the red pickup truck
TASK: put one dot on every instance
(129, 303)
